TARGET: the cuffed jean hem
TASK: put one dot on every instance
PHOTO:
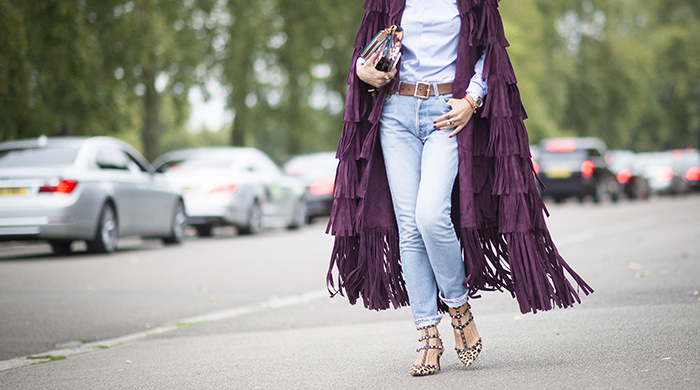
(427, 321)
(457, 302)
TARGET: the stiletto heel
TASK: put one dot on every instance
(422, 368)
(466, 355)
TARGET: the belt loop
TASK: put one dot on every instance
(437, 90)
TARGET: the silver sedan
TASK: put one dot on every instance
(75, 188)
(234, 186)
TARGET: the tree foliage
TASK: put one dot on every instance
(623, 70)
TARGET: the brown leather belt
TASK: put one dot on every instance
(423, 90)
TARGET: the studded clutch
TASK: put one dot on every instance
(388, 43)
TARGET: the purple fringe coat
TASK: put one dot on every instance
(496, 208)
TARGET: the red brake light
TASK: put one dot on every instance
(664, 174)
(228, 189)
(624, 176)
(63, 187)
(693, 174)
(536, 167)
(560, 145)
(587, 168)
(323, 186)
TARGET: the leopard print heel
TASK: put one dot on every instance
(467, 355)
(423, 369)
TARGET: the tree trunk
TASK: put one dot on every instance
(295, 128)
(150, 134)
(240, 122)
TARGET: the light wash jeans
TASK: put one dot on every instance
(421, 165)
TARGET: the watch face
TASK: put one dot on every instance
(477, 100)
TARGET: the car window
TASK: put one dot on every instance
(594, 153)
(261, 163)
(563, 156)
(166, 165)
(135, 165)
(112, 158)
(219, 162)
(33, 157)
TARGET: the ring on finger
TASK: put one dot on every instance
(447, 116)
(451, 123)
(386, 77)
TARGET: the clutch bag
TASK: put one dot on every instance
(388, 43)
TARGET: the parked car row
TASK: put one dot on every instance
(672, 172)
(582, 167)
(97, 189)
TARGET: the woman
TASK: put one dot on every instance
(435, 196)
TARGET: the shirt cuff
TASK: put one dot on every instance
(477, 89)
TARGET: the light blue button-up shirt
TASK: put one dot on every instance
(431, 35)
(429, 45)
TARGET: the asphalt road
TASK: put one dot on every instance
(251, 312)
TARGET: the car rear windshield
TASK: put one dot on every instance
(211, 162)
(564, 156)
(34, 157)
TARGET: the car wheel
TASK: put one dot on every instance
(107, 232)
(204, 230)
(61, 247)
(601, 190)
(254, 223)
(299, 217)
(178, 227)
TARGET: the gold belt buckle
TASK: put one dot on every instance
(427, 90)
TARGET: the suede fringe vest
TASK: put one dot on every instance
(496, 208)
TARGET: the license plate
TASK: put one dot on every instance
(558, 174)
(13, 191)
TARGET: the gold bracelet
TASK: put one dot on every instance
(470, 101)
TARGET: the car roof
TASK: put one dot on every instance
(43, 141)
(70, 141)
(579, 143)
(180, 153)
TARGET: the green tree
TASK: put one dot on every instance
(158, 49)
(51, 79)
(677, 72)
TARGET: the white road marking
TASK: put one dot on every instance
(169, 327)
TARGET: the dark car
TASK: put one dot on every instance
(688, 163)
(317, 171)
(64, 189)
(623, 164)
(576, 167)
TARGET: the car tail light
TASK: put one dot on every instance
(560, 145)
(693, 174)
(587, 168)
(227, 190)
(536, 167)
(664, 174)
(323, 186)
(624, 176)
(62, 188)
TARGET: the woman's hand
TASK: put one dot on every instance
(456, 118)
(370, 75)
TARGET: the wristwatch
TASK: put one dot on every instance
(478, 101)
